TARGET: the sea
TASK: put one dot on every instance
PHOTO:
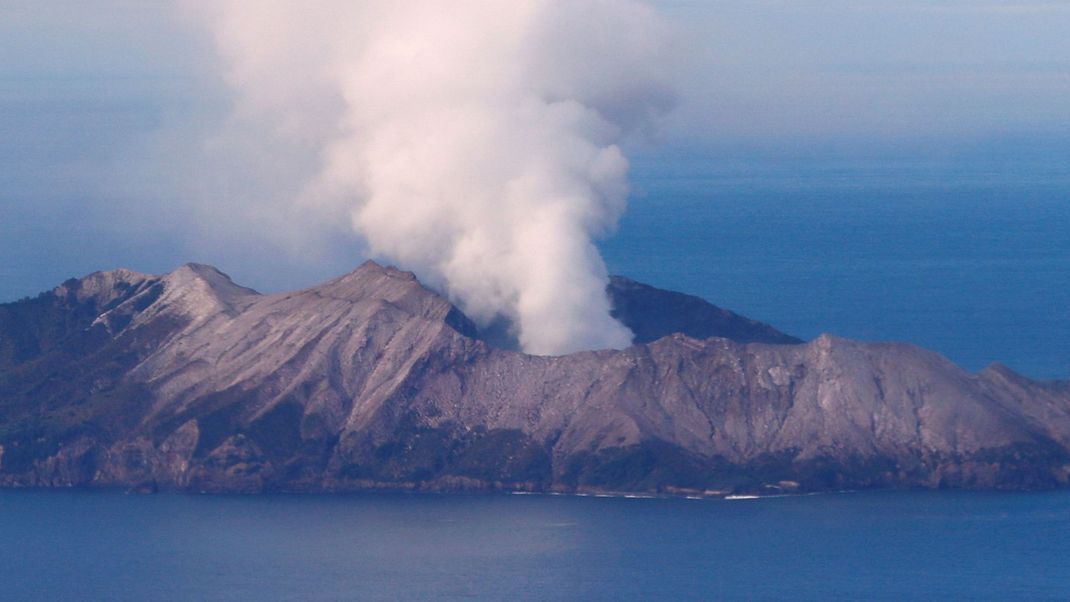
(968, 258)
(95, 545)
(971, 259)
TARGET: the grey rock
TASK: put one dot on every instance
(371, 381)
(652, 313)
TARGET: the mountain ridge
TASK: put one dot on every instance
(370, 380)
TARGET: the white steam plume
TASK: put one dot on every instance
(472, 141)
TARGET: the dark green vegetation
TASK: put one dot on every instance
(61, 373)
(502, 457)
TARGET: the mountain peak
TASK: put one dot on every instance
(198, 291)
(371, 267)
(209, 274)
(371, 280)
(203, 269)
(188, 273)
(652, 313)
(372, 380)
(102, 287)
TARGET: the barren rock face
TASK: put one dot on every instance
(652, 313)
(370, 380)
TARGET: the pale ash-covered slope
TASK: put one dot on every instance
(371, 380)
(716, 414)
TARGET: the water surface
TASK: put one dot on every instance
(77, 545)
(969, 259)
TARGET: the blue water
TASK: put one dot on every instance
(969, 259)
(72, 545)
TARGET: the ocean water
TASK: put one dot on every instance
(81, 545)
(970, 259)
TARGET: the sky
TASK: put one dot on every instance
(102, 100)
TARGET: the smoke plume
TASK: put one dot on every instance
(474, 142)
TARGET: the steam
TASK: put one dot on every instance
(472, 141)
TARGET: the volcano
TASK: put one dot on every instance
(188, 381)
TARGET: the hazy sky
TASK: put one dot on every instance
(96, 95)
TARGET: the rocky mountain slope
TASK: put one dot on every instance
(652, 313)
(189, 381)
